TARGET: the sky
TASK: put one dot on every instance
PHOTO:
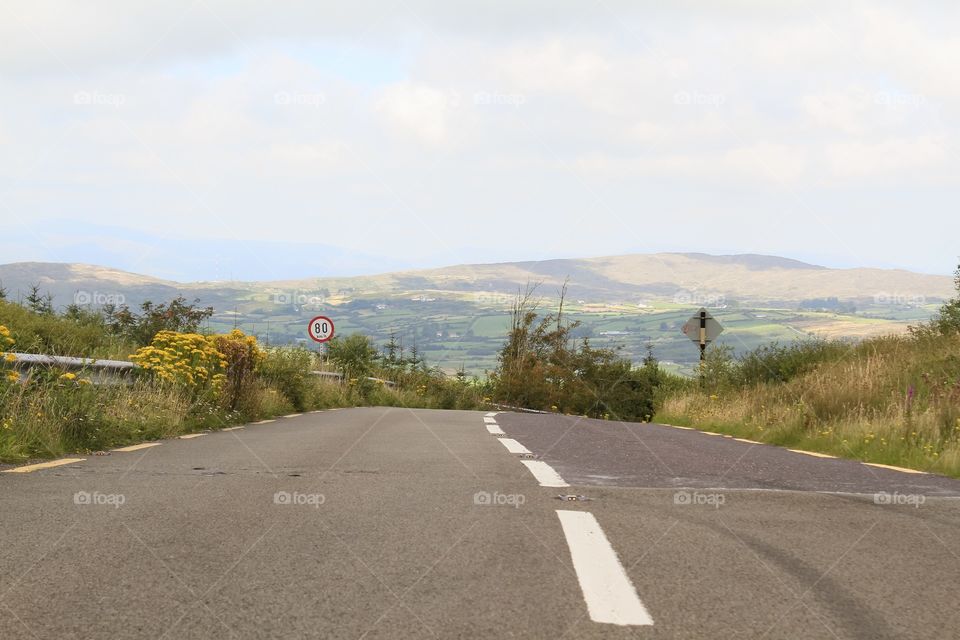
(214, 139)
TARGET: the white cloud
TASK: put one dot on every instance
(893, 156)
(423, 112)
(459, 123)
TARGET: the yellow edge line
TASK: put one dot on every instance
(711, 433)
(676, 426)
(264, 421)
(192, 435)
(293, 415)
(137, 447)
(812, 453)
(43, 465)
(892, 468)
(232, 428)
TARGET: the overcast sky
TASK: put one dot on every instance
(312, 138)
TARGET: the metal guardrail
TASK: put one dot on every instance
(106, 371)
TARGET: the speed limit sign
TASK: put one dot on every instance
(320, 329)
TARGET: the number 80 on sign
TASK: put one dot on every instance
(320, 329)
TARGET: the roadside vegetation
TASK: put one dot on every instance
(892, 400)
(544, 366)
(186, 378)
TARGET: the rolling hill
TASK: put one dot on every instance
(457, 315)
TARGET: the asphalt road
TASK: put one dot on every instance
(396, 523)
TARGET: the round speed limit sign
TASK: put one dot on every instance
(321, 329)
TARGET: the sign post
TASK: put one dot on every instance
(320, 330)
(703, 329)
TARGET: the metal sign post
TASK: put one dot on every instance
(703, 329)
(320, 330)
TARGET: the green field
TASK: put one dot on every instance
(453, 331)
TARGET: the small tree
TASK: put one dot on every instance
(354, 356)
(39, 303)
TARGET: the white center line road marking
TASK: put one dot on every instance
(544, 473)
(137, 447)
(495, 430)
(513, 446)
(489, 420)
(607, 589)
(43, 465)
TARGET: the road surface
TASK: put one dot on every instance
(396, 523)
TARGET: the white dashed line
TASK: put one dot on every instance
(43, 465)
(513, 446)
(892, 468)
(495, 430)
(233, 428)
(292, 415)
(190, 436)
(264, 421)
(137, 447)
(544, 473)
(812, 453)
(488, 420)
(747, 441)
(607, 590)
(491, 414)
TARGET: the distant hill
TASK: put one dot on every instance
(459, 312)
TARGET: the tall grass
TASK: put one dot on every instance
(49, 412)
(892, 400)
